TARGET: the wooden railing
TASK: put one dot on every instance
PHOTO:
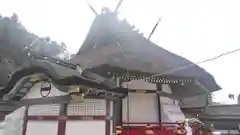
(151, 128)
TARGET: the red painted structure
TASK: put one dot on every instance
(62, 118)
(152, 128)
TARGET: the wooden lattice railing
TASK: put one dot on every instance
(151, 128)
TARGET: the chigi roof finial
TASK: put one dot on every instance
(92, 9)
(118, 5)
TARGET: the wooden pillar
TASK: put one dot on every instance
(118, 107)
(159, 88)
(108, 119)
(120, 112)
(2, 116)
(62, 119)
(117, 113)
(159, 107)
(25, 119)
(238, 127)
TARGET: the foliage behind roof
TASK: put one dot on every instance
(14, 37)
(4, 71)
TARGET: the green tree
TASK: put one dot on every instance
(14, 37)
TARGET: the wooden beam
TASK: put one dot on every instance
(54, 100)
(159, 108)
(114, 115)
(108, 114)
(117, 113)
(69, 117)
(62, 122)
(25, 120)
(160, 93)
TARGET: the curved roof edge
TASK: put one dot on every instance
(115, 43)
(59, 75)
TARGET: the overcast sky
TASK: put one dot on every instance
(195, 29)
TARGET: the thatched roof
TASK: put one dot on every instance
(112, 42)
(115, 43)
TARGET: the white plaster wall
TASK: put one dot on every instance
(85, 128)
(167, 100)
(42, 128)
(49, 109)
(91, 127)
(14, 122)
(35, 92)
(170, 109)
(142, 108)
(172, 113)
(2, 126)
(1, 131)
(87, 107)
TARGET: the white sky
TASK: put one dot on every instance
(195, 29)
